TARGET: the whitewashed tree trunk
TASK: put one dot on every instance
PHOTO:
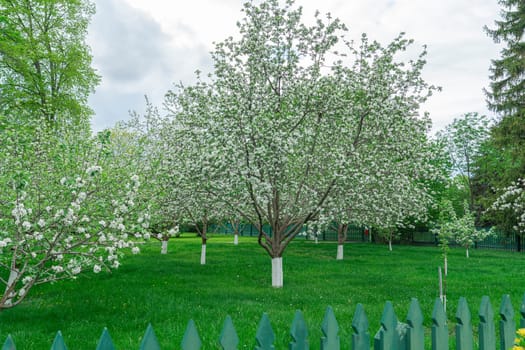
(277, 272)
(316, 240)
(203, 254)
(446, 265)
(164, 248)
(390, 244)
(467, 253)
(340, 250)
(236, 239)
(13, 275)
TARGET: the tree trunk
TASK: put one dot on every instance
(446, 265)
(204, 238)
(390, 244)
(276, 241)
(342, 230)
(277, 272)
(467, 253)
(13, 278)
(340, 250)
(164, 248)
(235, 225)
(203, 251)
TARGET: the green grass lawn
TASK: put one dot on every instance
(169, 290)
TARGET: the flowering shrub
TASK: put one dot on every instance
(60, 240)
(66, 206)
(512, 201)
(460, 229)
(519, 342)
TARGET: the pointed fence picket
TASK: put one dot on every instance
(330, 329)
(58, 343)
(265, 337)
(439, 327)
(486, 329)
(228, 339)
(463, 326)
(360, 336)
(9, 344)
(299, 333)
(415, 331)
(191, 339)
(522, 312)
(392, 334)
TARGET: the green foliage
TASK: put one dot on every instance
(459, 228)
(463, 140)
(66, 200)
(445, 226)
(511, 204)
(63, 197)
(45, 64)
(495, 170)
(503, 160)
(507, 89)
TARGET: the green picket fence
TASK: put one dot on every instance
(392, 334)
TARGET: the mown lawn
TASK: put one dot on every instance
(168, 290)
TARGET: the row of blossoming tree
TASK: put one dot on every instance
(295, 125)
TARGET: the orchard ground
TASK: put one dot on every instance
(169, 290)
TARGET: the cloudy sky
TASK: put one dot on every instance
(143, 47)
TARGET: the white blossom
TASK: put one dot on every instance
(26, 225)
(93, 170)
(57, 268)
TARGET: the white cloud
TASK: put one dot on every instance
(144, 46)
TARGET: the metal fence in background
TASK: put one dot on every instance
(508, 242)
(355, 233)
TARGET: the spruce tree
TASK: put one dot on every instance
(506, 94)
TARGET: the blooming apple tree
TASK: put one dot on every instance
(388, 167)
(287, 122)
(461, 229)
(512, 203)
(155, 155)
(63, 208)
(398, 204)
